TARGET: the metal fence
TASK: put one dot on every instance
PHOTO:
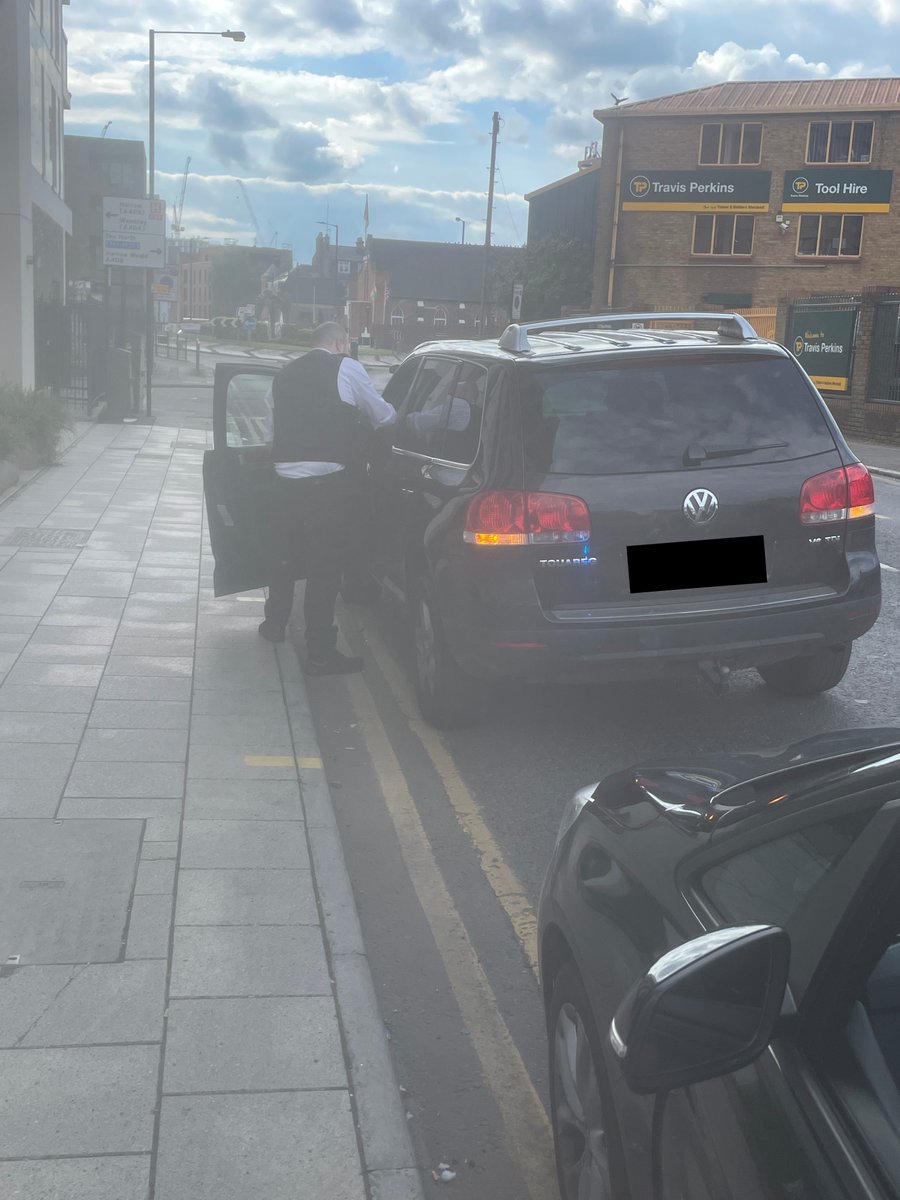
(884, 354)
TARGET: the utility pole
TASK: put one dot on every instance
(495, 130)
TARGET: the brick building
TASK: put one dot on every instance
(741, 194)
(410, 292)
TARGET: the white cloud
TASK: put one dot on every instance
(417, 110)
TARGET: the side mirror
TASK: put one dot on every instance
(393, 367)
(704, 1009)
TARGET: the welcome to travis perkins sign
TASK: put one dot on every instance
(837, 189)
(697, 191)
(822, 340)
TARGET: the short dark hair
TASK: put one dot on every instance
(328, 332)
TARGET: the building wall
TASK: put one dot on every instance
(567, 209)
(654, 266)
(97, 168)
(33, 216)
(193, 292)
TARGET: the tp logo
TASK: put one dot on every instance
(798, 345)
(639, 186)
(800, 186)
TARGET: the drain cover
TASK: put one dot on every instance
(65, 539)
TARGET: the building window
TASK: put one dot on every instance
(343, 266)
(722, 234)
(722, 144)
(840, 141)
(440, 316)
(830, 235)
(397, 315)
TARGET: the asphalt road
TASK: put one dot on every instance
(447, 837)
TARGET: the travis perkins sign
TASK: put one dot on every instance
(823, 342)
(697, 191)
(837, 189)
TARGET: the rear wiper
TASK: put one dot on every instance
(695, 453)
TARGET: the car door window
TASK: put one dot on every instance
(248, 410)
(425, 413)
(771, 882)
(400, 382)
(465, 410)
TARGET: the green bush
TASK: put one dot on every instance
(31, 424)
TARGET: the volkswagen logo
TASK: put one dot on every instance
(700, 506)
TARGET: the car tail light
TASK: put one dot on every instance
(526, 519)
(836, 495)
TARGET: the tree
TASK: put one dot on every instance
(235, 278)
(558, 274)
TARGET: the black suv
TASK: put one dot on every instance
(603, 498)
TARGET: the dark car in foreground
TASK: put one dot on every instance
(595, 499)
(720, 966)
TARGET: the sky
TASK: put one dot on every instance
(328, 101)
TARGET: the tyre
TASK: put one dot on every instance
(585, 1137)
(447, 696)
(808, 674)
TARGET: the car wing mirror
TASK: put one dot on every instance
(393, 367)
(703, 1010)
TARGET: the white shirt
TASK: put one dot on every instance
(355, 388)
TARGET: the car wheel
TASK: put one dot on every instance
(809, 674)
(447, 697)
(585, 1138)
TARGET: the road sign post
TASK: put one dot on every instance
(134, 235)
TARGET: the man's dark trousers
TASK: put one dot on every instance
(314, 523)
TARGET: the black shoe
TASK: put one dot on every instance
(270, 633)
(333, 663)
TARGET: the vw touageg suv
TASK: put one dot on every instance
(604, 498)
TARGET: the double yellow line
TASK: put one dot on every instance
(526, 1127)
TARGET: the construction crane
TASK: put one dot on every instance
(178, 207)
(260, 240)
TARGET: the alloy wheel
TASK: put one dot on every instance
(578, 1112)
(426, 649)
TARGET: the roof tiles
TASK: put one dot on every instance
(765, 96)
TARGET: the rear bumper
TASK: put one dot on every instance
(533, 646)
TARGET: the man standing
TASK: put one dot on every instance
(322, 404)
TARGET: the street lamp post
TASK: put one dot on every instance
(236, 35)
(462, 222)
(337, 243)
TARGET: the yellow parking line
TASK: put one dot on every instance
(280, 760)
(524, 1119)
(310, 764)
(500, 875)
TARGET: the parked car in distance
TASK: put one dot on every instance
(599, 499)
(720, 967)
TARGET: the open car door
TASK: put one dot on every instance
(238, 476)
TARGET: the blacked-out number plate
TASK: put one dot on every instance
(672, 566)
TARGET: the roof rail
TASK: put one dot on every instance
(732, 325)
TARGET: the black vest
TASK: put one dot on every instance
(311, 421)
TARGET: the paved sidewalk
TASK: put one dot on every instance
(186, 1010)
(880, 459)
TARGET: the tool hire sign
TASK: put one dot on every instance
(697, 191)
(833, 189)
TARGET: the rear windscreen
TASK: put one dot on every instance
(598, 419)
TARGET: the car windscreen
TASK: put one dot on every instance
(687, 412)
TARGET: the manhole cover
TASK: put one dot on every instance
(65, 539)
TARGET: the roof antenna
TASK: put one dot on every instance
(617, 100)
(105, 128)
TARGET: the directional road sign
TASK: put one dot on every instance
(134, 232)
